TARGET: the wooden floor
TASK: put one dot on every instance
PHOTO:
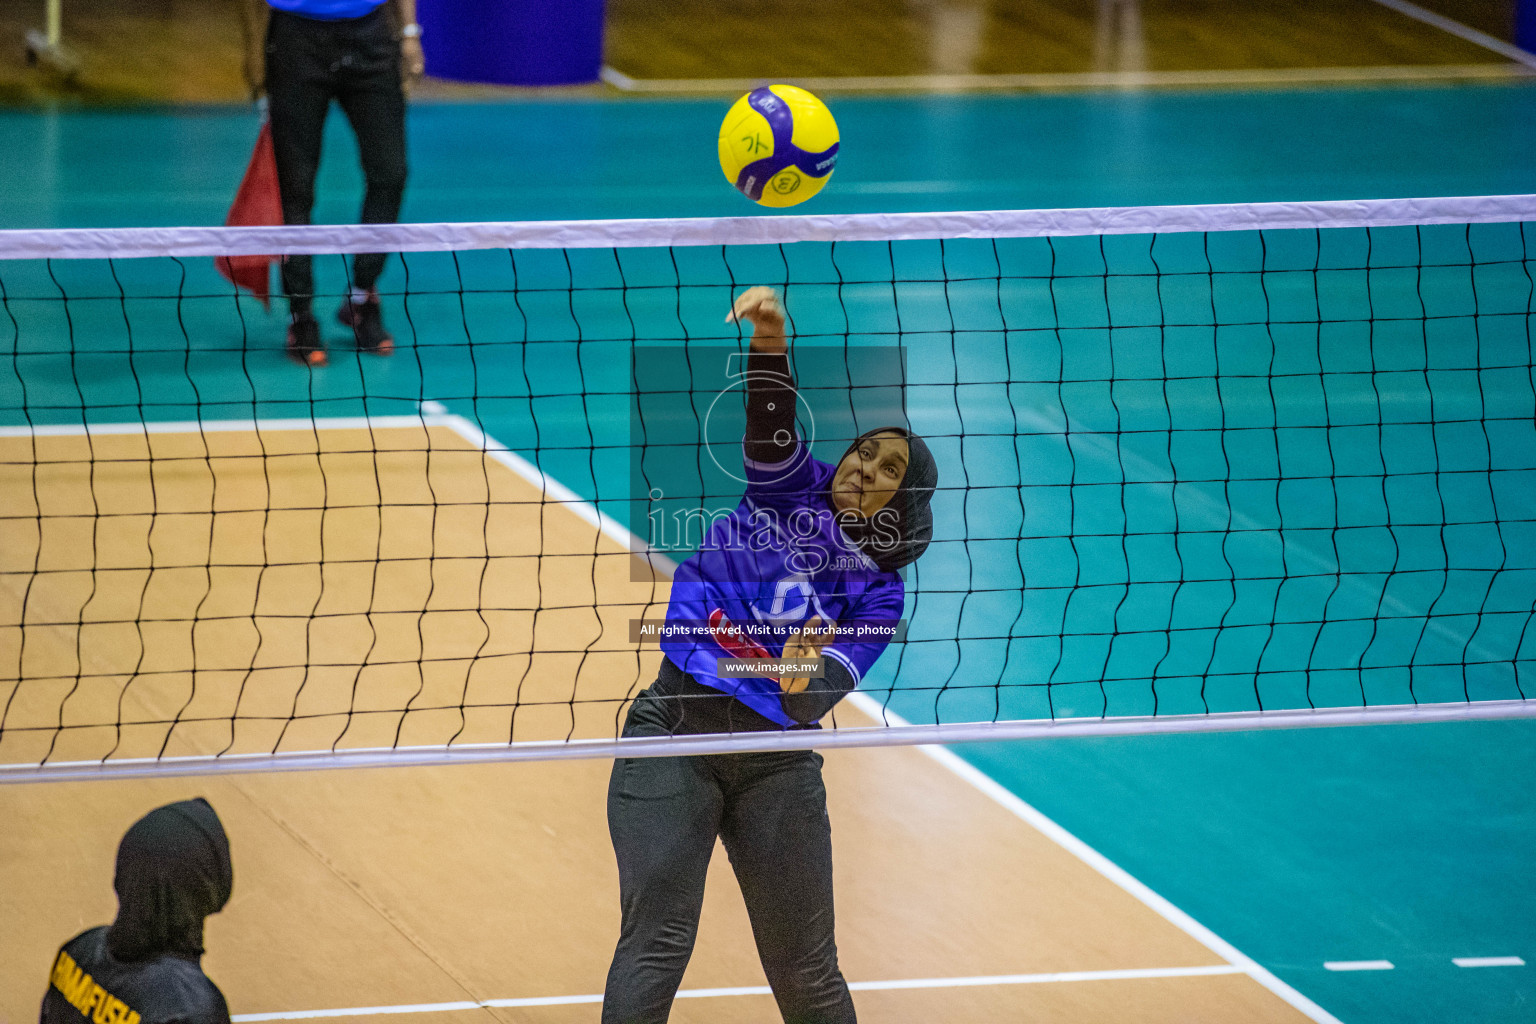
(233, 592)
(389, 887)
(403, 886)
(801, 38)
(191, 50)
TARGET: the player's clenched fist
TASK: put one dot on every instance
(760, 306)
(807, 643)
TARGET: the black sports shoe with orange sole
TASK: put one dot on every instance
(304, 344)
(367, 324)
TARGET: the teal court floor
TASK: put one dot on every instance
(1408, 844)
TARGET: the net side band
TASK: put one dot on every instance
(124, 243)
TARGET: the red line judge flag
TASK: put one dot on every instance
(256, 203)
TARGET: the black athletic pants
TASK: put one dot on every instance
(355, 61)
(770, 810)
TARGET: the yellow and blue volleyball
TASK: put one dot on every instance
(778, 145)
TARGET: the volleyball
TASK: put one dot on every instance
(778, 145)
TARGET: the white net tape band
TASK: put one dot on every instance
(895, 732)
(72, 243)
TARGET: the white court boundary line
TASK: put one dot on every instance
(1067, 81)
(670, 746)
(1487, 961)
(757, 990)
(124, 243)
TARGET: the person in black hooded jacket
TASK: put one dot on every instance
(173, 870)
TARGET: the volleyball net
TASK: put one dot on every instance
(1200, 468)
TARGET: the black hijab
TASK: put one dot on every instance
(173, 870)
(898, 533)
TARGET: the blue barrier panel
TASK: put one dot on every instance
(513, 42)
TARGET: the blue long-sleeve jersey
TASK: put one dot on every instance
(777, 561)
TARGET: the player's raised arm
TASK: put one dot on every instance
(770, 435)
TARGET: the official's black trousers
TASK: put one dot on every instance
(356, 62)
(770, 810)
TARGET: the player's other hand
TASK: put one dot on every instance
(761, 308)
(807, 643)
(413, 63)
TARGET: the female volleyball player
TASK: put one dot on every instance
(806, 565)
(173, 870)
